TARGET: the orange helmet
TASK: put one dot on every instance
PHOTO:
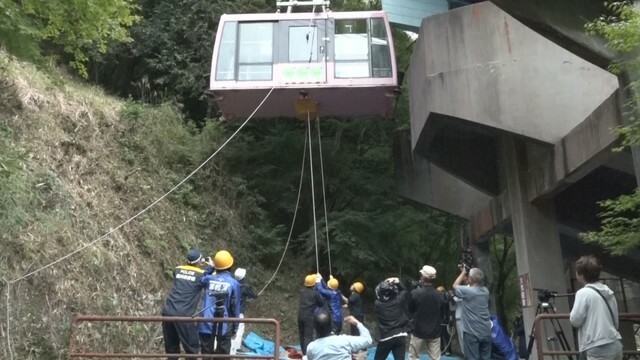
(310, 280)
(222, 260)
(358, 287)
(333, 284)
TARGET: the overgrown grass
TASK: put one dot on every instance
(75, 163)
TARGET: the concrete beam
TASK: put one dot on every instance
(563, 22)
(422, 181)
(490, 219)
(583, 149)
(479, 64)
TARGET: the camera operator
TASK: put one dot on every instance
(475, 316)
(182, 301)
(393, 324)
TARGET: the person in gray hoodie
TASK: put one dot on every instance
(595, 313)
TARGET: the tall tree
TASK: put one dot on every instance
(170, 57)
(620, 231)
(76, 27)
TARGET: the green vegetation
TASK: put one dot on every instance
(64, 28)
(75, 163)
(620, 231)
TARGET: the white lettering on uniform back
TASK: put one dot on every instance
(185, 277)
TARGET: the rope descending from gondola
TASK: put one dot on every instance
(295, 215)
(324, 197)
(313, 194)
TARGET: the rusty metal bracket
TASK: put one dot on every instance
(99, 318)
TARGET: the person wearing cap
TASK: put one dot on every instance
(221, 300)
(246, 293)
(331, 293)
(183, 301)
(310, 304)
(426, 307)
(475, 316)
(354, 304)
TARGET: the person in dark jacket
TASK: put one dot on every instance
(246, 291)
(310, 304)
(445, 337)
(354, 304)
(393, 323)
(221, 300)
(183, 301)
(426, 307)
(331, 293)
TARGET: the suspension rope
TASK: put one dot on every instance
(295, 214)
(153, 203)
(324, 198)
(126, 222)
(313, 194)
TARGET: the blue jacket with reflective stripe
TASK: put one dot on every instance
(221, 299)
(335, 300)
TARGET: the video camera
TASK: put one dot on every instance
(545, 295)
(466, 259)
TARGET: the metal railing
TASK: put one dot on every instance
(542, 352)
(73, 353)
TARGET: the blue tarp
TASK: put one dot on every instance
(259, 346)
(501, 342)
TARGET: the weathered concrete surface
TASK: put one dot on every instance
(583, 149)
(536, 235)
(426, 183)
(512, 114)
(563, 22)
(479, 64)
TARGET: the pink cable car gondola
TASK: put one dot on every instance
(343, 61)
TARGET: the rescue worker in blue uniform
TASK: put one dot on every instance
(221, 300)
(329, 290)
(182, 301)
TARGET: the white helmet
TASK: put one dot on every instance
(240, 273)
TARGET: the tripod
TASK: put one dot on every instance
(546, 307)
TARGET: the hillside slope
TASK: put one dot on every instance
(75, 163)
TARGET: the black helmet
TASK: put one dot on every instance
(386, 291)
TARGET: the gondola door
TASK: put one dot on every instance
(302, 52)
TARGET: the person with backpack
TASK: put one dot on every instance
(595, 313)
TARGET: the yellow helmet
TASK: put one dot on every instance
(310, 280)
(222, 260)
(333, 284)
(358, 287)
